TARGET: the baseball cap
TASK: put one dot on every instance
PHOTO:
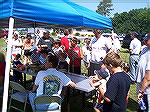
(147, 37)
(102, 73)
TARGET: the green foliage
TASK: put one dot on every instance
(77, 34)
(53, 33)
(104, 7)
(135, 20)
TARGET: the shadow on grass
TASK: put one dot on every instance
(132, 105)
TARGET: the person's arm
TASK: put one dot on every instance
(101, 90)
(34, 88)
(145, 83)
(81, 54)
(72, 85)
(131, 47)
(37, 81)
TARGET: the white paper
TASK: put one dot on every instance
(85, 85)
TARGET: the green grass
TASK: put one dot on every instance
(2, 46)
(124, 55)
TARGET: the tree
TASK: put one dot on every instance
(104, 7)
(135, 20)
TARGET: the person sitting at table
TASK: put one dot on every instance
(117, 87)
(17, 76)
(50, 66)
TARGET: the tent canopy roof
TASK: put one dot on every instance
(56, 12)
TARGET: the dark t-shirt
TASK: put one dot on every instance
(49, 41)
(63, 65)
(117, 89)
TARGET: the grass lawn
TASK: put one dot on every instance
(132, 104)
(2, 46)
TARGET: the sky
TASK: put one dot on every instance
(119, 6)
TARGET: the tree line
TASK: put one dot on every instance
(135, 20)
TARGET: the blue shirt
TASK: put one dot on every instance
(117, 89)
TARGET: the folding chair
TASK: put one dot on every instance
(46, 99)
(51, 86)
(19, 93)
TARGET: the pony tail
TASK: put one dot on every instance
(125, 67)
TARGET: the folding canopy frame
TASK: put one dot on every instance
(58, 12)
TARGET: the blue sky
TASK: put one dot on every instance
(119, 6)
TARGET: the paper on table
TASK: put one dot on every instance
(85, 85)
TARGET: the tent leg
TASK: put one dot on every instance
(7, 69)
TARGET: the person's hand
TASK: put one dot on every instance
(94, 81)
(140, 95)
(72, 85)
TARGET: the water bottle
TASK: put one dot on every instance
(142, 104)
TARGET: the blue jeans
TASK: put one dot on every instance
(133, 62)
(41, 107)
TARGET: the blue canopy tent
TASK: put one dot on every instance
(58, 12)
(44, 12)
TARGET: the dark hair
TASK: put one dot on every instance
(57, 42)
(18, 56)
(74, 39)
(125, 67)
(66, 32)
(135, 34)
(114, 60)
(52, 58)
(98, 31)
(44, 51)
(29, 36)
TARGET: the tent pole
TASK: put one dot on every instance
(8, 62)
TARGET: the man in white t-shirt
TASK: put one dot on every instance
(100, 46)
(50, 66)
(143, 73)
(135, 48)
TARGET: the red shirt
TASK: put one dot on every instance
(74, 55)
(65, 42)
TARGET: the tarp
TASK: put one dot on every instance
(57, 12)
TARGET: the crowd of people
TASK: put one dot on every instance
(106, 70)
